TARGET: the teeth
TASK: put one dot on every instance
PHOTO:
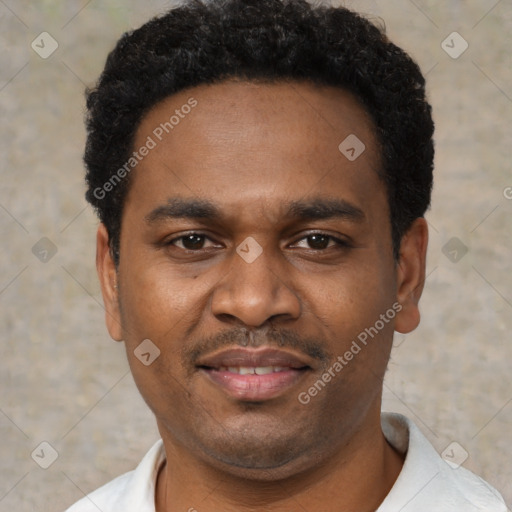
(250, 370)
(263, 370)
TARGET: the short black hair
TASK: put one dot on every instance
(210, 41)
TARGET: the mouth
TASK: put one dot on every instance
(254, 374)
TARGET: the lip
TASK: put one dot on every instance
(251, 387)
(262, 356)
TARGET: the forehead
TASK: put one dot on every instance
(243, 143)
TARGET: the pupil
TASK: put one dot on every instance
(314, 241)
(193, 241)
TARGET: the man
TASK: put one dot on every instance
(261, 170)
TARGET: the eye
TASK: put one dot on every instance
(316, 241)
(320, 241)
(190, 241)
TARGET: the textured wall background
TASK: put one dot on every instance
(64, 382)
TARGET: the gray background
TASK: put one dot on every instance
(65, 382)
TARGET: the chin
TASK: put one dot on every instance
(259, 471)
(261, 457)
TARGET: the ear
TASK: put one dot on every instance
(411, 275)
(107, 274)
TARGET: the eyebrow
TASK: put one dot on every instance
(304, 210)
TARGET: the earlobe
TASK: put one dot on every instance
(411, 275)
(107, 274)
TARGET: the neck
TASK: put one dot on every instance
(356, 476)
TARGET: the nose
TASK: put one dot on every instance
(256, 291)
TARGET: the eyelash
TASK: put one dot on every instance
(341, 244)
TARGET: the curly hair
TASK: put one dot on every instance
(208, 41)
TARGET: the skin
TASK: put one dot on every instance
(250, 149)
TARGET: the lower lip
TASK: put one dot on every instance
(255, 387)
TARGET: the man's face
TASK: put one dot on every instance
(282, 260)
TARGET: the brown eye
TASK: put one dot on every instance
(190, 242)
(193, 242)
(318, 241)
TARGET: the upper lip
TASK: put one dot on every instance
(246, 357)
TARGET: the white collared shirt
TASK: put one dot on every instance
(426, 483)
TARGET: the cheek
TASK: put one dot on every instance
(154, 300)
(157, 306)
(355, 310)
(355, 294)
